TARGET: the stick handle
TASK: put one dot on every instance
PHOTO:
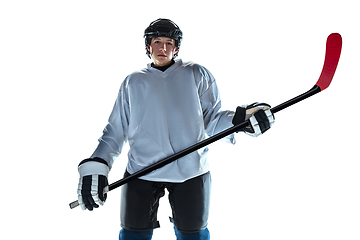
(74, 204)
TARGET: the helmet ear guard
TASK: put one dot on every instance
(162, 28)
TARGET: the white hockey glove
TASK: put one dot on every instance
(93, 180)
(259, 115)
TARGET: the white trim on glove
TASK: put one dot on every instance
(92, 167)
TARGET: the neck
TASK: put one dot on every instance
(163, 68)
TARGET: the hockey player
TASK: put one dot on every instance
(160, 110)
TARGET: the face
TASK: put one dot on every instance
(162, 50)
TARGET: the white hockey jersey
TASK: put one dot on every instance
(161, 113)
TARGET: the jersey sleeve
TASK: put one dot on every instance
(215, 119)
(115, 133)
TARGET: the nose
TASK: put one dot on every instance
(163, 47)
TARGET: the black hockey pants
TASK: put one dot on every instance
(189, 202)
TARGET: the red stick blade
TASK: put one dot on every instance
(332, 55)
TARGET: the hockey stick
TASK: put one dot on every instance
(332, 55)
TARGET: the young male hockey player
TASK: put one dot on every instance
(160, 110)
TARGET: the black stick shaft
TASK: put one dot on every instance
(311, 92)
(197, 146)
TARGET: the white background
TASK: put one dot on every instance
(61, 65)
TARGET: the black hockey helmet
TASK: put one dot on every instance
(162, 28)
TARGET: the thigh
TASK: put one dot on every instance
(139, 204)
(190, 203)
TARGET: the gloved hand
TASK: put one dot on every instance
(93, 180)
(259, 115)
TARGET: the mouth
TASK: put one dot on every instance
(161, 55)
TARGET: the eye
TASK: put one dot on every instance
(170, 43)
